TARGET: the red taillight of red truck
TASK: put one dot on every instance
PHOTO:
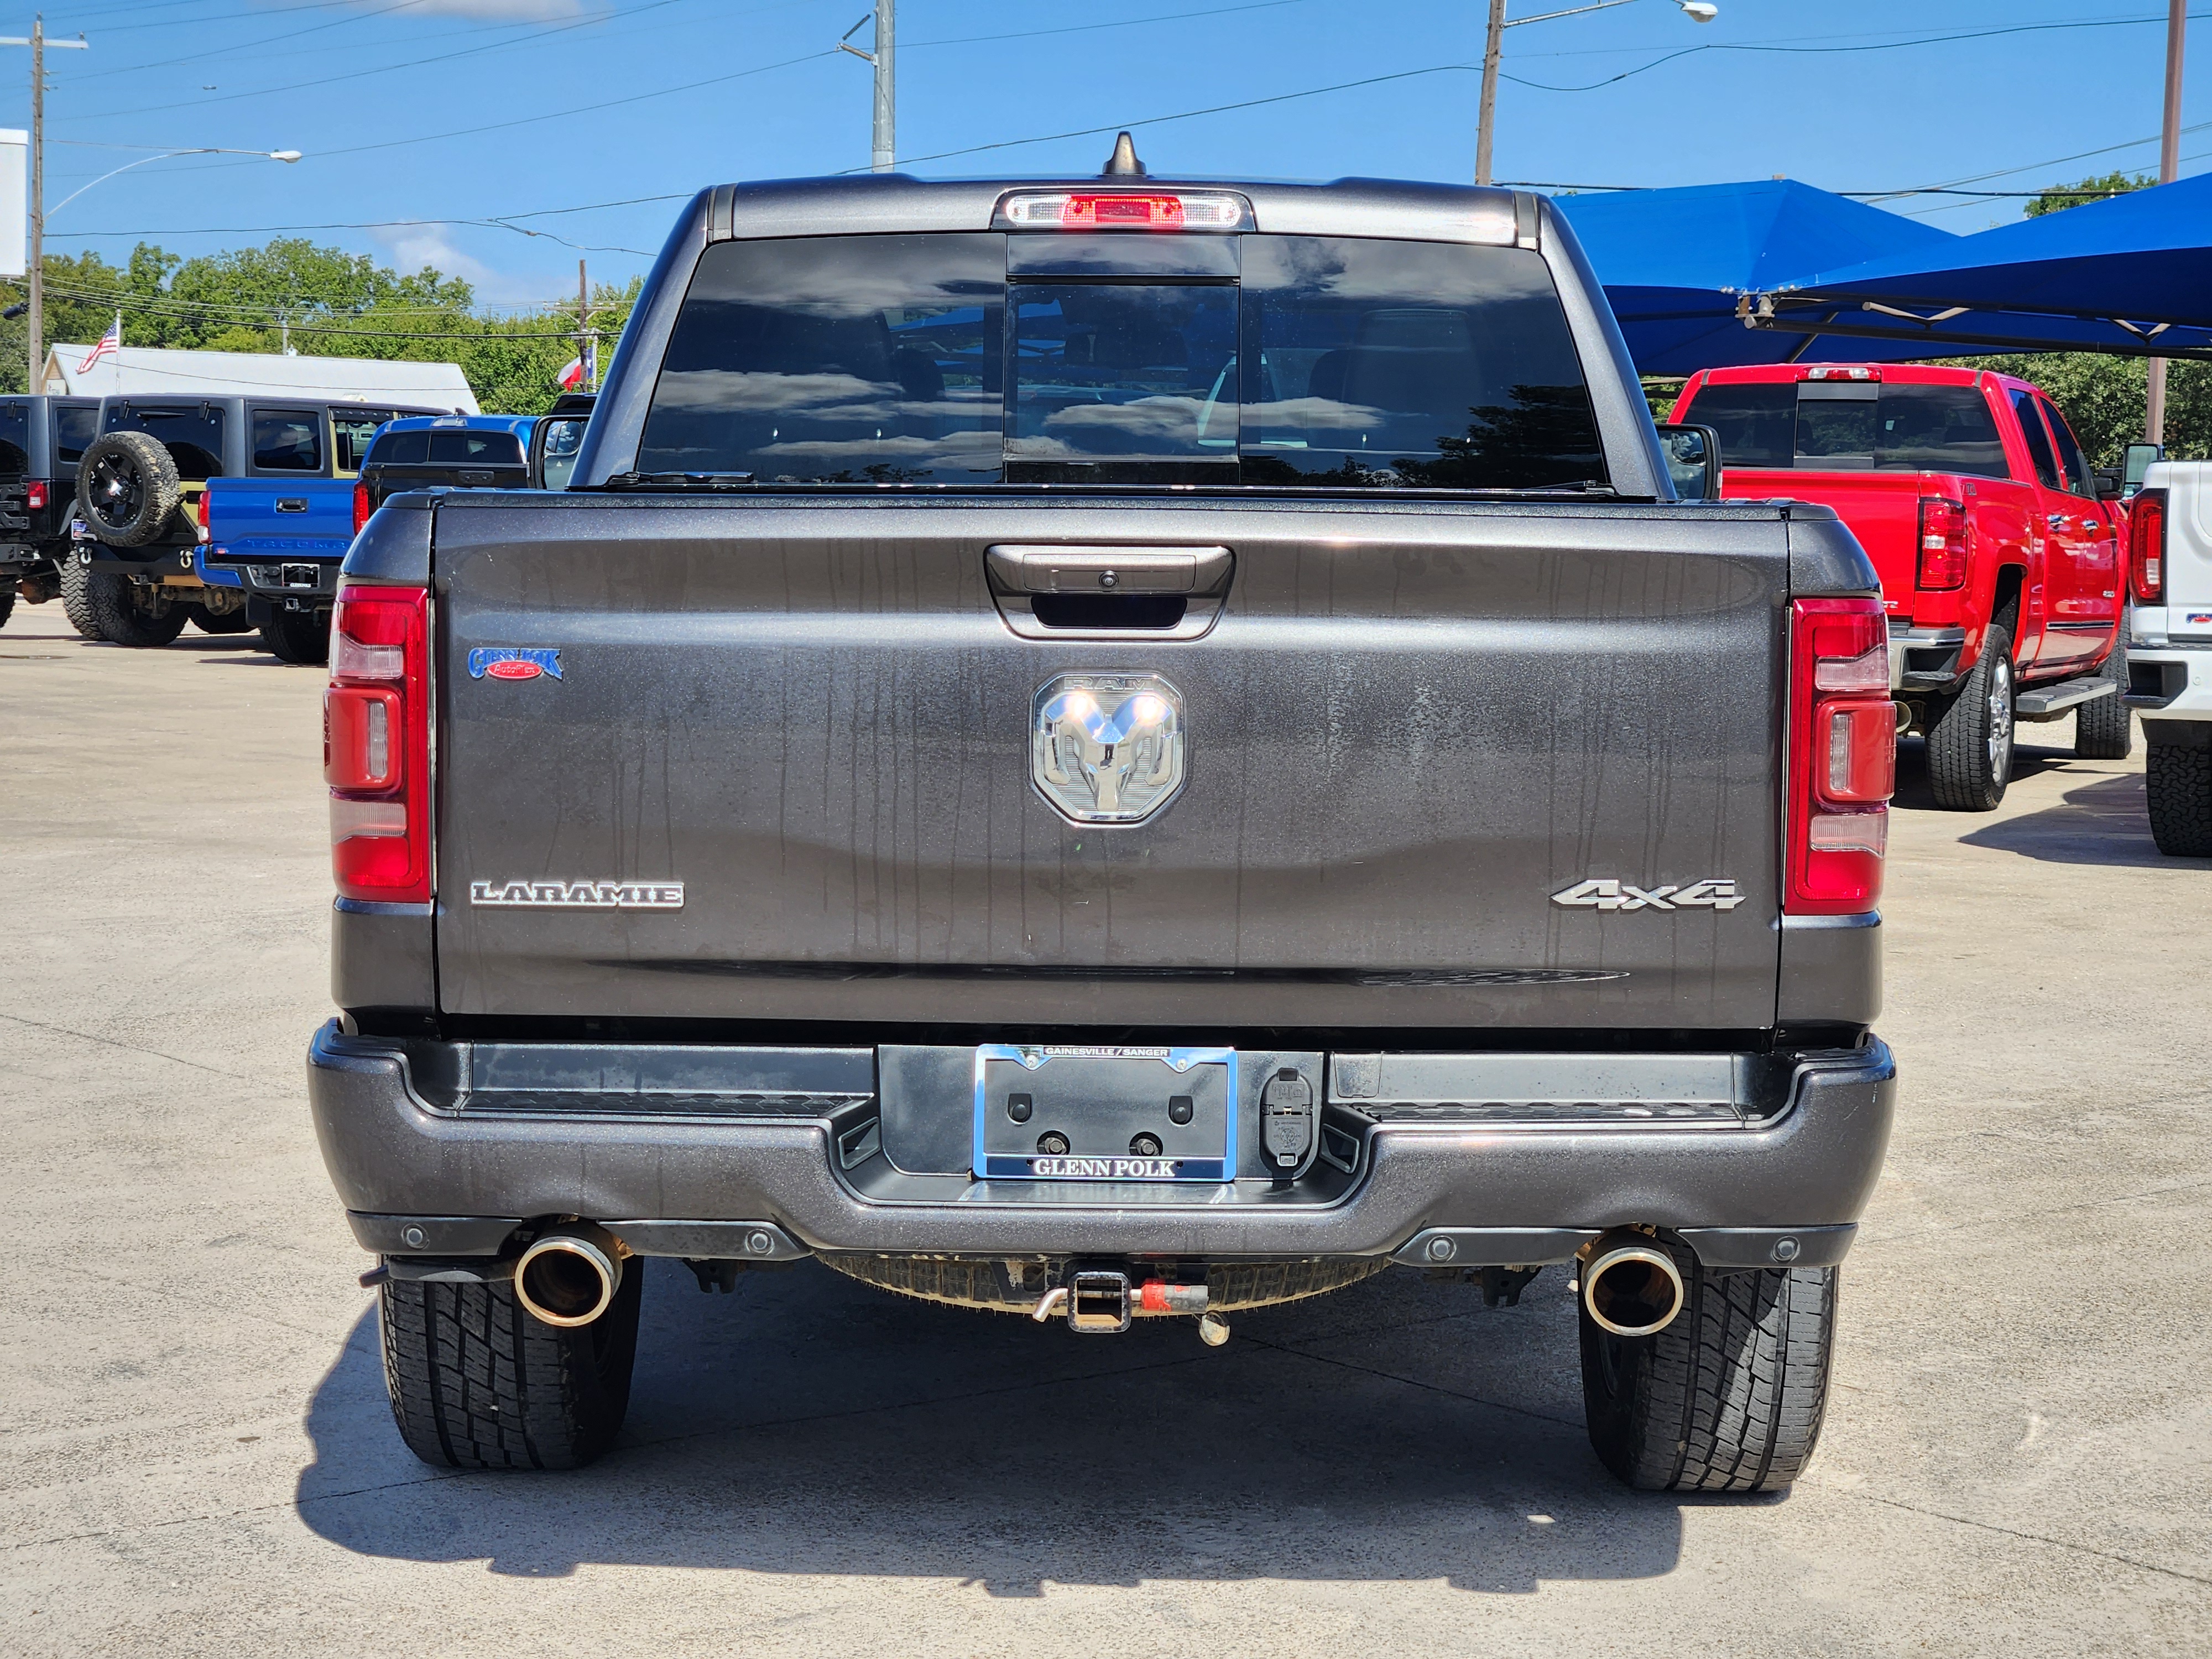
(376, 744)
(1843, 756)
(1942, 543)
(361, 508)
(2146, 546)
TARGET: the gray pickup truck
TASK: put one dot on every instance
(1106, 750)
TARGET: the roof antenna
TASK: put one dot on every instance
(1123, 163)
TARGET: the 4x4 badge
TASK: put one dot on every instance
(1605, 893)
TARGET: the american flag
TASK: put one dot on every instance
(109, 343)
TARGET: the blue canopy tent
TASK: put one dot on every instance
(2130, 276)
(1676, 264)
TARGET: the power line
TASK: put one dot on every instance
(1888, 45)
(387, 69)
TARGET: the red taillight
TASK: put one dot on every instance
(1123, 209)
(2147, 546)
(1942, 543)
(376, 744)
(35, 494)
(361, 507)
(1843, 756)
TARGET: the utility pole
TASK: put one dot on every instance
(887, 42)
(1698, 11)
(584, 353)
(1488, 118)
(2169, 169)
(35, 258)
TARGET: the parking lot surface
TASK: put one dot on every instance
(198, 1457)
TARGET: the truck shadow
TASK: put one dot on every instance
(2103, 821)
(808, 1425)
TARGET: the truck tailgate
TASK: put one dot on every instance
(1882, 509)
(1404, 738)
(274, 518)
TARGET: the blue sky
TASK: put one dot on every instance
(434, 110)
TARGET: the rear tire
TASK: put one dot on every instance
(7, 602)
(477, 1383)
(1730, 1396)
(2178, 784)
(76, 596)
(121, 620)
(298, 637)
(233, 622)
(1970, 732)
(2105, 729)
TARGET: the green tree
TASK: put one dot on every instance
(332, 304)
(2060, 197)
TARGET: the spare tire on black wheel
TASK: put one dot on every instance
(127, 486)
(122, 617)
(301, 636)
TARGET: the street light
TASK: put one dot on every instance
(1698, 11)
(285, 156)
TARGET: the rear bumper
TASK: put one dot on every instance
(1925, 659)
(425, 1179)
(2170, 685)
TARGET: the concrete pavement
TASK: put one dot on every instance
(197, 1457)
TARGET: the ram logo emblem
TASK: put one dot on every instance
(1106, 748)
(1606, 893)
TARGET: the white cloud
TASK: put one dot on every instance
(411, 247)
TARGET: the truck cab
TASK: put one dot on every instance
(457, 452)
(1997, 545)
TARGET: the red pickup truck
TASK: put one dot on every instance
(2000, 565)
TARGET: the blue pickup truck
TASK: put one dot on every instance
(281, 537)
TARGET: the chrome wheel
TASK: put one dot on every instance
(2000, 720)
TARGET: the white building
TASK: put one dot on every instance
(143, 371)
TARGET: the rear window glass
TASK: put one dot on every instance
(288, 440)
(1333, 362)
(74, 428)
(352, 431)
(192, 433)
(15, 438)
(475, 448)
(1842, 427)
(399, 449)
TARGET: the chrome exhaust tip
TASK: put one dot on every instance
(569, 1274)
(1630, 1285)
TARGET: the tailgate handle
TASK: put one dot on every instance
(1131, 571)
(291, 503)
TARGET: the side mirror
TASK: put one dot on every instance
(1694, 461)
(2136, 465)
(2109, 483)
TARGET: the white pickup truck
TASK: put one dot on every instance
(2170, 649)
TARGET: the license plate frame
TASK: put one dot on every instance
(1100, 1099)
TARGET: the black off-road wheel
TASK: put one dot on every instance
(7, 601)
(298, 637)
(2105, 728)
(123, 617)
(1970, 732)
(76, 596)
(127, 486)
(2178, 784)
(1730, 1396)
(477, 1382)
